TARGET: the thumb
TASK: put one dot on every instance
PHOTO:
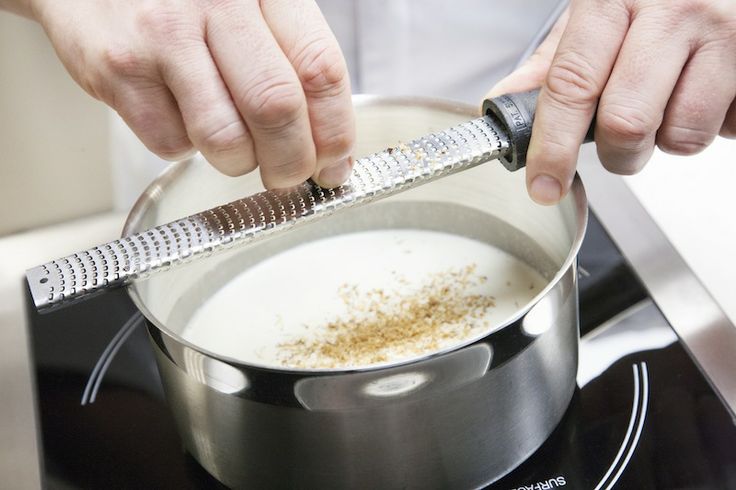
(532, 73)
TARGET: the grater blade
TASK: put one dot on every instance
(64, 281)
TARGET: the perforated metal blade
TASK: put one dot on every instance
(77, 276)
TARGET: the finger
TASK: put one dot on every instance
(634, 100)
(568, 98)
(531, 74)
(266, 91)
(728, 130)
(152, 114)
(697, 109)
(212, 121)
(312, 49)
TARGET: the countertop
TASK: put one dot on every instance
(693, 200)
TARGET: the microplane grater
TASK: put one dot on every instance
(243, 221)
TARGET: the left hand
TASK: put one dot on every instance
(653, 72)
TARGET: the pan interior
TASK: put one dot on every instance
(486, 203)
(377, 277)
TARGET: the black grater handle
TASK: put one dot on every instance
(515, 112)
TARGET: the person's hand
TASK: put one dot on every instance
(653, 72)
(246, 83)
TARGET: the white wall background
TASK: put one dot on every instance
(53, 137)
(693, 199)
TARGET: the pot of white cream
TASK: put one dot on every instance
(428, 340)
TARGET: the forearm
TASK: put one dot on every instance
(20, 7)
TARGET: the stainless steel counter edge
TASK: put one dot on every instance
(704, 329)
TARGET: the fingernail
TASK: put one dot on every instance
(335, 174)
(545, 189)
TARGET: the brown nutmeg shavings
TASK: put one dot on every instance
(383, 325)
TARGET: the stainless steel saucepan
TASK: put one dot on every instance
(459, 418)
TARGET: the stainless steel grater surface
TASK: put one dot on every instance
(65, 280)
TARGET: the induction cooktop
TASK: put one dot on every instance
(643, 415)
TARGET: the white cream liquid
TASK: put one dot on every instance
(296, 293)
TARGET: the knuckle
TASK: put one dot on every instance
(226, 138)
(334, 145)
(272, 102)
(122, 61)
(141, 119)
(626, 124)
(702, 21)
(224, 10)
(94, 84)
(160, 21)
(571, 81)
(291, 172)
(679, 140)
(687, 9)
(321, 68)
(233, 168)
(171, 148)
(147, 125)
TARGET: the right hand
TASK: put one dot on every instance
(246, 83)
(653, 72)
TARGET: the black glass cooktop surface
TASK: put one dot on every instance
(649, 421)
(643, 416)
